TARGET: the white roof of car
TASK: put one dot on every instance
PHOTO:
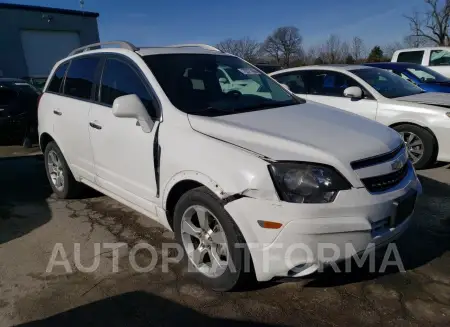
(120, 46)
(166, 50)
(336, 67)
(424, 48)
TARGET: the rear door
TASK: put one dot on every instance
(124, 153)
(327, 87)
(71, 109)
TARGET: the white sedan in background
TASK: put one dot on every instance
(422, 119)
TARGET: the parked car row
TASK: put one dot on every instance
(241, 174)
(422, 119)
(424, 77)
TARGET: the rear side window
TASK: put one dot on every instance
(80, 77)
(295, 81)
(55, 83)
(411, 56)
(120, 79)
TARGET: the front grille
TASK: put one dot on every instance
(372, 161)
(385, 182)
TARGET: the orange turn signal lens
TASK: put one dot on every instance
(269, 224)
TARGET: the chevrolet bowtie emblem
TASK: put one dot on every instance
(397, 164)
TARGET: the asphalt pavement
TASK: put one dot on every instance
(33, 223)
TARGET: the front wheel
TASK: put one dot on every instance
(420, 145)
(213, 245)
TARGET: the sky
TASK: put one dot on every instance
(159, 22)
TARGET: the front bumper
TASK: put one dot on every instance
(442, 134)
(313, 235)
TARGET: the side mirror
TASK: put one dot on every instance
(286, 87)
(223, 80)
(353, 92)
(130, 106)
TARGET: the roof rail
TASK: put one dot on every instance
(204, 46)
(122, 44)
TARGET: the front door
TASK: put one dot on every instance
(123, 152)
(327, 87)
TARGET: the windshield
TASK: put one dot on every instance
(386, 83)
(191, 82)
(427, 75)
(235, 74)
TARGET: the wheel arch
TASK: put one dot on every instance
(182, 183)
(436, 143)
(45, 139)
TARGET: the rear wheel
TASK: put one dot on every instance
(59, 175)
(420, 145)
(209, 238)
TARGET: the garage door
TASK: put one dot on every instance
(43, 49)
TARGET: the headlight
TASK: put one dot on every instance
(307, 183)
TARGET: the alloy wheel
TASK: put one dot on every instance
(205, 241)
(414, 146)
(55, 170)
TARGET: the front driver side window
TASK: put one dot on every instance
(120, 79)
(330, 83)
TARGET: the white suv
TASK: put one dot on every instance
(231, 173)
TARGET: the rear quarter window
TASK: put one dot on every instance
(58, 76)
(414, 57)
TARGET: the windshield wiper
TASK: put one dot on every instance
(268, 105)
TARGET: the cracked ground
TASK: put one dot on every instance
(32, 221)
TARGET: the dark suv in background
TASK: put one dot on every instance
(18, 112)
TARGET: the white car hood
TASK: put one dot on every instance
(305, 132)
(432, 98)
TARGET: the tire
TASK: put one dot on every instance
(70, 187)
(229, 279)
(429, 144)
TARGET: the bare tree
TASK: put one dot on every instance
(284, 45)
(413, 41)
(311, 55)
(245, 48)
(334, 50)
(358, 49)
(432, 24)
(389, 49)
(345, 50)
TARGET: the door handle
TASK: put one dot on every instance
(57, 112)
(94, 125)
